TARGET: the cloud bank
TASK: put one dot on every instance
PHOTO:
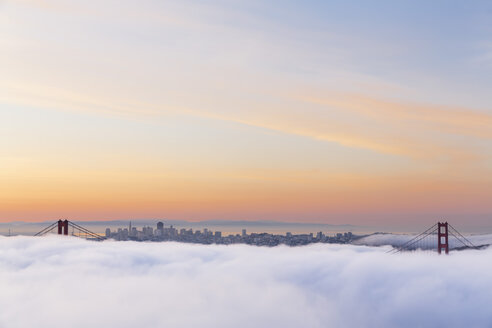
(60, 282)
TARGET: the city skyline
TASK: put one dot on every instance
(316, 112)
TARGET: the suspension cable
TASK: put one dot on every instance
(414, 239)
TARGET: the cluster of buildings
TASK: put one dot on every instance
(161, 233)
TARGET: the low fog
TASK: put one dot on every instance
(59, 281)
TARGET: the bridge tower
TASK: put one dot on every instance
(442, 237)
(63, 225)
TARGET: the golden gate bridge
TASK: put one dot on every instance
(63, 226)
(442, 237)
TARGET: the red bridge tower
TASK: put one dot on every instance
(63, 225)
(442, 237)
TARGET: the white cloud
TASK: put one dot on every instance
(61, 282)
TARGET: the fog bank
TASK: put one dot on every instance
(58, 281)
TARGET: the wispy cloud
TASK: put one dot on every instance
(462, 121)
(246, 91)
(401, 129)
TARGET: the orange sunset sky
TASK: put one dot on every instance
(325, 112)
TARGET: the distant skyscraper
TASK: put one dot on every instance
(244, 233)
(148, 231)
(160, 226)
(108, 232)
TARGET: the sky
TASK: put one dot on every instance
(127, 284)
(316, 111)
